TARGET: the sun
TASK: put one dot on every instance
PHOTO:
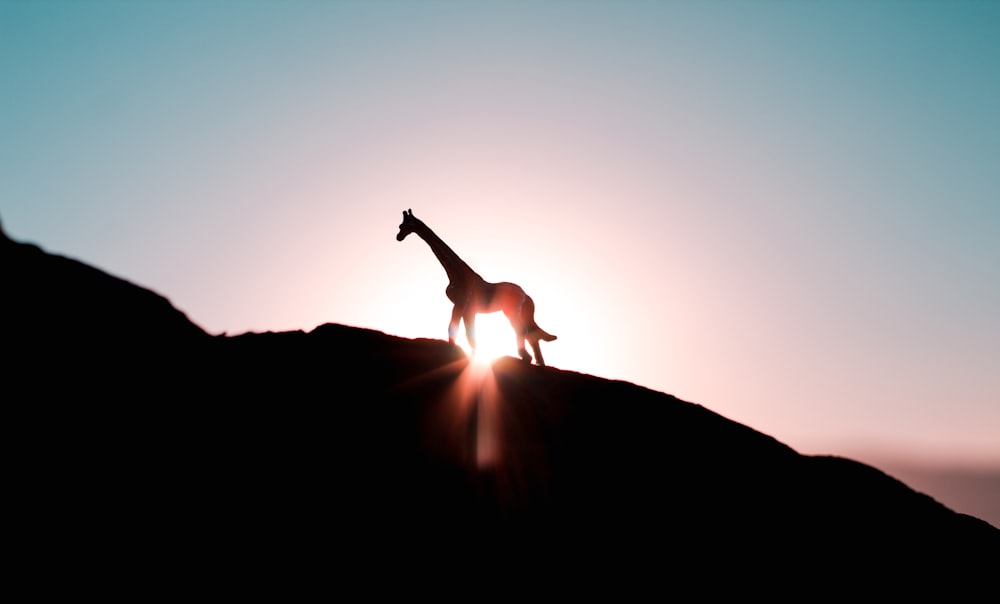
(494, 339)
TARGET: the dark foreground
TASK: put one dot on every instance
(146, 451)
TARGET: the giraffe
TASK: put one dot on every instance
(472, 295)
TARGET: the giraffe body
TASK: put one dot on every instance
(472, 295)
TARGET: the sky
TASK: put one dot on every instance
(787, 212)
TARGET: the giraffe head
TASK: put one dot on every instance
(407, 226)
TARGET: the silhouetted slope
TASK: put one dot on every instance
(146, 445)
(973, 490)
(73, 303)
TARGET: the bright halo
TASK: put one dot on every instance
(494, 339)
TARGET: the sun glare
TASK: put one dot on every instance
(494, 339)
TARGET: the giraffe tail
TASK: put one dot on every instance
(533, 331)
(541, 334)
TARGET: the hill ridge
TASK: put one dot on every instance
(141, 432)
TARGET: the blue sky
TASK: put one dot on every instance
(788, 212)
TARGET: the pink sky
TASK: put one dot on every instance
(784, 212)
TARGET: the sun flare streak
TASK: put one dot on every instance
(477, 428)
(475, 414)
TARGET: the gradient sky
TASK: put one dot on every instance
(788, 212)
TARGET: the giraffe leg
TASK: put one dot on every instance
(470, 330)
(538, 351)
(456, 318)
(521, 350)
(515, 323)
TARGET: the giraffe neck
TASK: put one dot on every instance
(458, 271)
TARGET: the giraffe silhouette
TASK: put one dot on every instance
(472, 295)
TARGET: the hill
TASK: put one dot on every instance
(147, 448)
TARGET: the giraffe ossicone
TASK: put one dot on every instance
(473, 295)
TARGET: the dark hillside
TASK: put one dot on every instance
(149, 449)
